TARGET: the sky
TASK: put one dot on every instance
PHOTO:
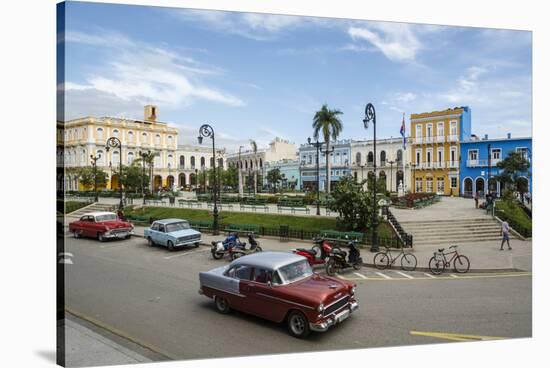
(258, 76)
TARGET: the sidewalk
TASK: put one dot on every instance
(483, 256)
(89, 345)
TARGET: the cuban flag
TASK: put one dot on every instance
(402, 132)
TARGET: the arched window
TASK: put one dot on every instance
(203, 162)
(101, 159)
(99, 133)
(358, 158)
(192, 162)
(382, 157)
(115, 133)
(157, 139)
(370, 157)
(130, 157)
(182, 161)
(116, 158)
(130, 136)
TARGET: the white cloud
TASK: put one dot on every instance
(142, 73)
(256, 26)
(397, 41)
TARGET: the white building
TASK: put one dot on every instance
(392, 161)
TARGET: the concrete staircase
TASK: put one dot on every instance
(94, 207)
(451, 231)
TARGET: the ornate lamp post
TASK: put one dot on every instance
(114, 142)
(370, 115)
(208, 132)
(143, 155)
(317, 146)
(391, 174)
(94, 164)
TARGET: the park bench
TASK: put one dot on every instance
(242, 228)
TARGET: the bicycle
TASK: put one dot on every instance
(385, 259)
(438, 262)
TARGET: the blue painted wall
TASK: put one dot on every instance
(481, 169)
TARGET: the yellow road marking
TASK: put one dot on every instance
(455, 336)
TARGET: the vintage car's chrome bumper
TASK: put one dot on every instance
(335, 319)
(118, 234)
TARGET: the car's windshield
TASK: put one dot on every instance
(177, 226)
(108, 217)
(295, 271)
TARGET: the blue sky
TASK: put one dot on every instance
(257, 76)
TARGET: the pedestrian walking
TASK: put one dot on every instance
(505, 229)
(476, 199)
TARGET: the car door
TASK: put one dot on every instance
(260, 295)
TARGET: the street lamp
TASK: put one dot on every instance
(317, 146)
(114, 142)
(370, 115)
(391, 174)
(143, 156)
(207, 131)
(94, 164)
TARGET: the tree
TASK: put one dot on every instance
(327, 124)
(273, 177)
(513, 168)
(86, 176)
(353, 204)
(132, 177)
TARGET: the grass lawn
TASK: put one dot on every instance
(515, 216)
(310, 223)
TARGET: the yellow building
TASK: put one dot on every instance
(435, 144)
(87, 136)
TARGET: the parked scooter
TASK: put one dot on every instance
(318, 253)
(237, 252)
(231, 244)
(337, 259)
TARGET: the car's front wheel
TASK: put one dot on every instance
(170, 245)
(222, 305)
(298, 325)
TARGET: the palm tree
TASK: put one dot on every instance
(327, 124)
(255, 150)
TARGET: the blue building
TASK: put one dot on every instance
(477, 154)
(340, 164)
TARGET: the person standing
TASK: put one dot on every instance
(505, 229)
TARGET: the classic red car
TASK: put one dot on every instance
(102, 226)
(280, 287)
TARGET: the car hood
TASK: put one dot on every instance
(318, 288)
(185, 232)
(116, 224)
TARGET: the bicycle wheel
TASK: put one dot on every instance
(408, 262)
(381, 261)
(437, 266)
(461, 264)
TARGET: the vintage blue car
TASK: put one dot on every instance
(172, 233)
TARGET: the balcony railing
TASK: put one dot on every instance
(452, 138)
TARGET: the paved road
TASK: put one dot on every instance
(149, 295)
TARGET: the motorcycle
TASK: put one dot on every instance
(239, 252)
(318, 253)
(337, 259)
(231, 244)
